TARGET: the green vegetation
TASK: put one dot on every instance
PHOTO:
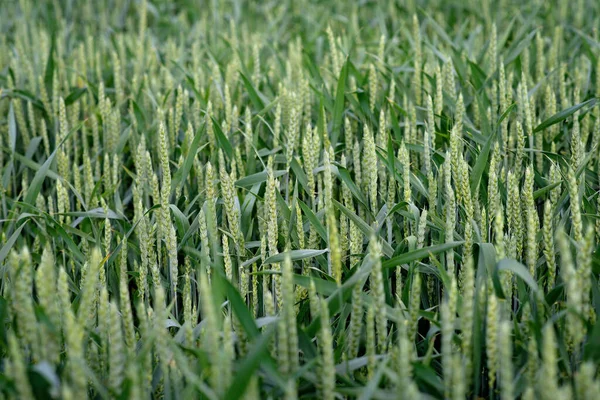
(299, 199)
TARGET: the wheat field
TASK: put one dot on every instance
(299, 199)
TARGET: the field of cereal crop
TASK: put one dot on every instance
(299, 199)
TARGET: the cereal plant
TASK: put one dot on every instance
(299, 199)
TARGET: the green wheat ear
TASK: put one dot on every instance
(17, 368)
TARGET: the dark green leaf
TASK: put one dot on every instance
(259, 177)
(518, 269)
(74, 96)
(257, 102)
(338, 107)
(259, 351)
(419, 254)
(10, 242)
(49, 72)
(294, 255)
(182, 172)
(222, 139)
(564, 114)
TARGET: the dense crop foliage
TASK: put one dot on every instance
(299, 199)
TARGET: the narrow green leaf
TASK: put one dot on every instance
(429, 377)
(40, 175)
(419, 254)
(564, 114)
(257, 102)
(294, 255)
(27, 96)
(10, 242)
(518, 48)
(95, 213)
(239, 308)
(364, 227)
(338, 107)
(312, 218)
(75, 95)
(259, 177)
(344, 176)
(12, 128)
(222, 139)
(182, 223)
(38, 179)
(181, 175)
(53, 224)
(299, 174)
(506, 113)
(518, 269)
(542, 191)
(259, 351)
(49, 72)
(481, 163)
